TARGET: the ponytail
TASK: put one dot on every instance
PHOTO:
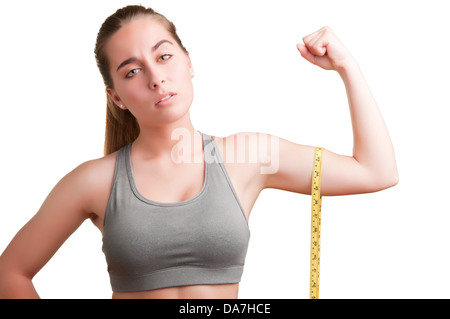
(122, 127)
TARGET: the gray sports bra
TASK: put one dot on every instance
(150, 245)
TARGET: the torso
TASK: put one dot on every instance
(184, 181)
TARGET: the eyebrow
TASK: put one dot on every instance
(132, 59)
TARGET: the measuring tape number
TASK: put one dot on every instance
(316, 212)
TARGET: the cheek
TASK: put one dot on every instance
(184, 79)
(129, 96)
(181, 71)
(132, 92)
(187, 88)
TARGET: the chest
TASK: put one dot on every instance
(178, 183)
(169, 183)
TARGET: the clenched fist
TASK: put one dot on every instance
(324, 49)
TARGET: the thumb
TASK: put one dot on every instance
(302, 48)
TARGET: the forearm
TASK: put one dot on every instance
(372, 146)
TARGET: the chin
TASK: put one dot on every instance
(174, 114)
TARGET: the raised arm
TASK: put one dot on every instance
(372, 166)
(62, 212)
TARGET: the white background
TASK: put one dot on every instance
(249, 77)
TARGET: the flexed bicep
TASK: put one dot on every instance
(341, 175)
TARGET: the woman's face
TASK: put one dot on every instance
(151, 73)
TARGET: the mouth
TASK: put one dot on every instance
(165, 99)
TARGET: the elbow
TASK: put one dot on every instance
(16, 286)
(13, 285)
(391, 182)
(3, 278)
(386, 180)
(393, 178)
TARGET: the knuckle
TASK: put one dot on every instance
(327, 30)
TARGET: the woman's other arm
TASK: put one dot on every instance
(63, 211)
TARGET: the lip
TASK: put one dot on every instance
(167, 101)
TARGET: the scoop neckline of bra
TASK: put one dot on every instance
(168, 204)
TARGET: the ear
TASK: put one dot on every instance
(190, 63)
(115, 98)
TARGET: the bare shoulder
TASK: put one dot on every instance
(248, 160)
(88, 185)
(239, 148)
(253, 150)
(244, 143)
(95, 170)
(93, 180)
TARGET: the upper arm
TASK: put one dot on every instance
(62, 212)
(340, 175)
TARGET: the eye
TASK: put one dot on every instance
(165, 57)
(132, 73)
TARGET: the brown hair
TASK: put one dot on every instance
(122, 127)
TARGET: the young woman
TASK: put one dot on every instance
(173, 214)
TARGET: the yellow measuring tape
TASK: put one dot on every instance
(316, 215)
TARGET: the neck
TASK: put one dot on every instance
(160, 141)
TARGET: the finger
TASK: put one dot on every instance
(302, 49)
(321, 61)
(318, 44)
(306, 53)
(308, 38)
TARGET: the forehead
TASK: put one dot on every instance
(138, 35)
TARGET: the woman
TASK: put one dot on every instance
(174, 214)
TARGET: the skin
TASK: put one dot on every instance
(83, 193)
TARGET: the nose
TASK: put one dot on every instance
(156, 79)
(156, 84)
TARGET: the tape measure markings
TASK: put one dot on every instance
(316, 212)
